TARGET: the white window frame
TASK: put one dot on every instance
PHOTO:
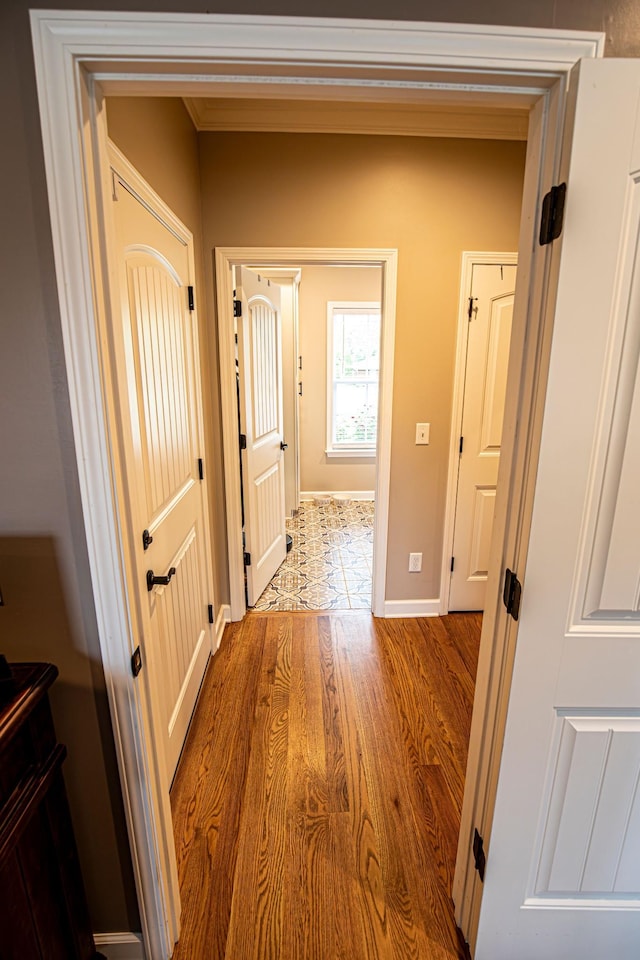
(346, 449)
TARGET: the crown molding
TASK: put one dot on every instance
(386, 119)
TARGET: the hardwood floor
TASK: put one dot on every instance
(316, 806)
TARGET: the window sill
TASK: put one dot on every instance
(366, 452)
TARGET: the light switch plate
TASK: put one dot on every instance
(422, 433)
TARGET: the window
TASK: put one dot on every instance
(353, 366)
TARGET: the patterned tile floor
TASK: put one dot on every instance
(329, 564)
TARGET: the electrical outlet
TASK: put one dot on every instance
(422, 433)
(415, 562)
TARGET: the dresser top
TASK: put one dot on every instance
(32, 681)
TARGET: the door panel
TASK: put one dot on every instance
(161, 343)
(176, 612)
(156, 301)
(563, 872)
(482, 528)
(485, 381)
(261, 419)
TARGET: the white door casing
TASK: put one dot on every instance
(563, 872)
(488, 305)
(160, 339)
(261, 422)
(78, 55)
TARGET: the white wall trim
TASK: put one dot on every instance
(412, 608)
(352, 494)
(359, 453)
(390, 119)
(120, 946)
(78, 52)
(469, 260)
(223, 618)
(228, 257)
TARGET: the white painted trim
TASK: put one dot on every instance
(350, 453)
(223, 618)
(352, 494)
(469, 260)
(141, 54)
(120, 946)
(522, 58)
(385, 119)
(228, 257)
(412, 608)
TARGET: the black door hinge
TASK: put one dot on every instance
(453, 561)
(461, 444)
(552, 214)
(136, 662)
(478, 853)
(472, 300)
(190, 297)
(512, 593)
(243, 441)
(247, 559)
(200, 468)
(237, 308)
(210, 612)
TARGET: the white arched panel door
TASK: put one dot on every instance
(168, 506)
(261, 422)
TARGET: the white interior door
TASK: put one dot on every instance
(563, 863)
(161, 343)
(263, 480)
(489, 334)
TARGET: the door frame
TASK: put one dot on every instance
(470, 258)
(226, 258)
(81, 56)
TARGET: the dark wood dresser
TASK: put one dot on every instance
(43, 910)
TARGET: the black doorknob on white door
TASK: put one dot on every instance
(153, 581)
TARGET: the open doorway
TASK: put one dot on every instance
(429, 333)
(330, 334)
(544, 119)
(334, 445)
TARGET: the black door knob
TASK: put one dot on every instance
(283, 445)
(153, 581)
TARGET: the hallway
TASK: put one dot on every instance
(316, 806)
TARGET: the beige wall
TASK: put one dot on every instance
(430, 199)
(42, 540)
(317, 287)
(167, 157)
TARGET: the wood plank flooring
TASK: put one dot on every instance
(317, 802)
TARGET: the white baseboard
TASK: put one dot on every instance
(120, 946)
(353, 494)
(412, 608)
(223, 618)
